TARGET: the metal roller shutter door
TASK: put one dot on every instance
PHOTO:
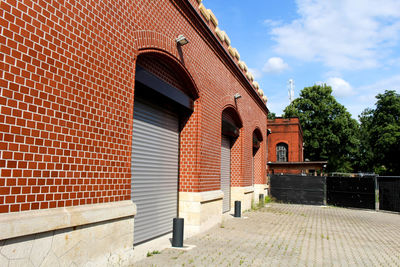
(252, 170)
(155, 160)
(226, 173)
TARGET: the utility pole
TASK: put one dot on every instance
(291, 90)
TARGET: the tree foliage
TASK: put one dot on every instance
(364, 159)
(380, 135)
(329, 132)
(271, 115)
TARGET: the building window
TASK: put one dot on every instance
(282, 152)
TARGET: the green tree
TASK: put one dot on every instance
(382, 134)
(271, 115)
(365, 156)
(329, 132)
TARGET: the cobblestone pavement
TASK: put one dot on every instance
(293, 235)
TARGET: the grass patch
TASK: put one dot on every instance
(327, 237)
(269, 199)
(278, 211)
(154, 252)
(257, 206)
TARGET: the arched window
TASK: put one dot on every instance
(281, 152)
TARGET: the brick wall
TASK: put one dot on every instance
(67, 96)
(285, 131)
(260, 165)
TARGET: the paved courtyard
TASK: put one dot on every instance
(293, 235)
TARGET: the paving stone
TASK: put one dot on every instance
(293, 235)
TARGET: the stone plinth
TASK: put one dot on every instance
(98, 235)
(201, 210)
(259, 189)
(243, 194)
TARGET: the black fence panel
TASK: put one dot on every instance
(389, 193)
(298, 189)
(356, 192)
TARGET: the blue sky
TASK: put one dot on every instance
(352, 45)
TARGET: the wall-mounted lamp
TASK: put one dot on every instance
(237, 96)
(181, 40)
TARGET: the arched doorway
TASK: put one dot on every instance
(231, 124)
(256, 156)
(163, 102)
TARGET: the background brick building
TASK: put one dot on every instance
(285, 148)
(69, 83)
(285, 131)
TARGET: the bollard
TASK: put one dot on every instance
(261, 199)
(238, 209)
(177, 232)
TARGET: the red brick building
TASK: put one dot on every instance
(109, 123)
(288, 133)
(285, 148)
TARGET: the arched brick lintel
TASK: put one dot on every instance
(281, 141)
(258, 133)
(233, 111)
(157, 43)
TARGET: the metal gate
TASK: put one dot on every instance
(155, 163)
(226, 173)
(356, 192)
(389, 193)
(298, 189)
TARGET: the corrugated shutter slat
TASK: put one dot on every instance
(155, 159)
(226, 173)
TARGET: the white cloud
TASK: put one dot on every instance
(275, 65)
(256, 73)
(343, 34)
(277, 104)
(394, 62)
(371, 90)
(340, 88)
(272, 23)
(367, 93)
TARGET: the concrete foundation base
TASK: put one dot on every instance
(86, 242)
(201, 210)
(243, 194)
(259, 189)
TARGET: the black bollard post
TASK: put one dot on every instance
(238, 208)
(177, 233)
(261, 199)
